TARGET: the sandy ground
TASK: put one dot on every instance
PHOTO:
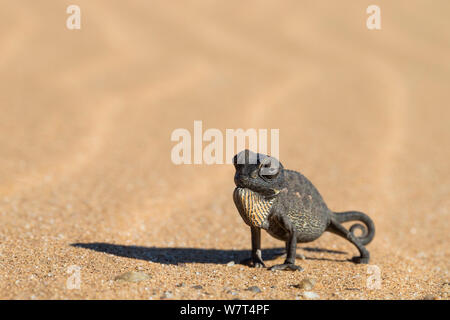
(86, 180)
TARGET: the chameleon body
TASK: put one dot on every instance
(287, 205)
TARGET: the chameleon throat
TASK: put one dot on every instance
(255, 207)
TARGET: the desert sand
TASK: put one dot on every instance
(88, 188)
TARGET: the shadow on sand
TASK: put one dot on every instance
(188, 255)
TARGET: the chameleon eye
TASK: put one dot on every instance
(269, 168)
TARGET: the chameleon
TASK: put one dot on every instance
(288, 206)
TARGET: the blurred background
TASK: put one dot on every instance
(86, 119)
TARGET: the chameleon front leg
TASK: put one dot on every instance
(256, 259)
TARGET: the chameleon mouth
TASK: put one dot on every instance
(238, 181)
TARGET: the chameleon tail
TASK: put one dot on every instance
(368, 231)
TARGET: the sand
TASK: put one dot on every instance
(88, 191)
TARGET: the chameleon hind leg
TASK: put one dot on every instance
(338, 229)
(255, 260)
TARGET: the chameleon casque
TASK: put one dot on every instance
(287, 205)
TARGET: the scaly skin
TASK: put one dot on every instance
(288, 206)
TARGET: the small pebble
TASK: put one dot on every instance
(233, 293)
(230, 264)
(352, 289)
(197, 287)
(254, 289)
(430, 297)
(310, 295)
(167, 295)
(306, 284)
(301, 256)
(133, 276)
(179, 285)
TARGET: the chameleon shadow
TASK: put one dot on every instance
(176, 256)
(313, 249)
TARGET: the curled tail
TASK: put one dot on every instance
(368, 231)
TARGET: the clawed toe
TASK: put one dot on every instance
(252, 262)
(286, 266)
(259, 265)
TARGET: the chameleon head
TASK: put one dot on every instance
(258, 172)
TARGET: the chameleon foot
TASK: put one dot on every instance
(253, 262)
(362, 260)
(286, 266)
